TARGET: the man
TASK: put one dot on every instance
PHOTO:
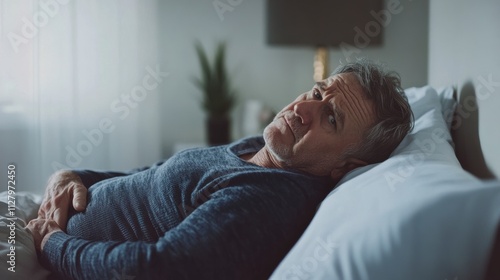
(227, 212)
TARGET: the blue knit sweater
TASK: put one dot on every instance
(202, 214)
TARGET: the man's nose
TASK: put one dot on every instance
(306, 110)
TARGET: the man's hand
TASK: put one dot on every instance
(64, 188)
(42, 229)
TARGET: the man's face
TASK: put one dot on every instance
(312, 133)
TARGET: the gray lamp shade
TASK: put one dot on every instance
(325, 22)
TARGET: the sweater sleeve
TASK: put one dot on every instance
(90, 177)
(239, 233)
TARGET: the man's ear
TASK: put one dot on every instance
(349, 164)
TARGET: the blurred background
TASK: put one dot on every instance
(109, 84)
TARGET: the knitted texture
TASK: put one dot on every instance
(202, 214)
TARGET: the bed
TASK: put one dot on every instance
(418, 215)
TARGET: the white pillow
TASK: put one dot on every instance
(417, 215)
(448, 103)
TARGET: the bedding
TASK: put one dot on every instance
(417, 215)
(25, 262)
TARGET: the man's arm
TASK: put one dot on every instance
(240, 233)
(90, 177)
(67, 188)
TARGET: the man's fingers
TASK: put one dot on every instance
(34, 228)
(60, 216)
(79, 197)
(41, 229)
(64, 190)
(41, 211)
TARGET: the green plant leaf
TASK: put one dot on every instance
(219, 98)
(205, 65)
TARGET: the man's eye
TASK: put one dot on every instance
(317, 94)
(331, 119)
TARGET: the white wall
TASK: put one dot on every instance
(273, 75)
(464, 44)
(72, 87)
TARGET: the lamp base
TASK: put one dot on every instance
(320, 64)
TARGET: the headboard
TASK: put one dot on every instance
(463, 52)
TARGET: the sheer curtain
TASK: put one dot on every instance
(79, 85)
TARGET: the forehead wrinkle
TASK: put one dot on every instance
(358, 109)
(335, 81)
(352, 99)
(340, 112)
(343, 88)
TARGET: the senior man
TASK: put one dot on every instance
(226, 212)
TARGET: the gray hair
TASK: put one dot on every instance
(394, 117)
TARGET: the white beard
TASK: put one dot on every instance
(277, 152)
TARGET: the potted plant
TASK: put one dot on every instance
(218, 96)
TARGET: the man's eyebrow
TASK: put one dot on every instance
(321, 85)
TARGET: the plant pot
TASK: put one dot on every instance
(218, 130)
